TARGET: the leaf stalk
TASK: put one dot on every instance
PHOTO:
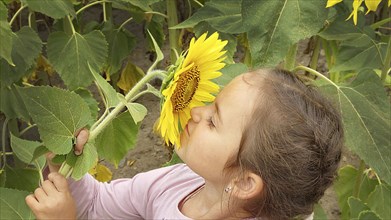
(16, 14)
(117, 109)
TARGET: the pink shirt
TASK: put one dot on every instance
(152, 195)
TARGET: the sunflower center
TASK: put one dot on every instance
(186, 87)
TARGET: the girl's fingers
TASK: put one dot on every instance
(31, 201)
(49, 187)
(81, 140)
(59, 181)
(40, 194)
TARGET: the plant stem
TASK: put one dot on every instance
(117, 109)
(125, 22)
(156, 13)
(71, 24)
(26, 129)
(387, 60)
(32, 21)
(16, 14)
(172, 33)
(316, 73)
(315, 54)
(6, 153)
(3, 141)
(89, 5)
(290, 59)
(357, 185)
(39, 171)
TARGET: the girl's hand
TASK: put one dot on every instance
(81, 139)
(53, 199)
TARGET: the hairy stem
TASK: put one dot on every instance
(290, 59)
(117, 109)
(172, 33)
(316, 73)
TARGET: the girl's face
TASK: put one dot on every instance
(213, 133)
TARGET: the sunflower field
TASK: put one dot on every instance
(53, 54)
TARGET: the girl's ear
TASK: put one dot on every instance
(248, 187)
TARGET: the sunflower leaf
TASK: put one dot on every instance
(117, 138)
(224, 16)
(24, 149)
(380, 201)
(6, 35)
(11, 206)
(53, 8)
(58, 114)
(159, 54)
(366, 116)
(270, 38)
(85, 161)
(79, 51)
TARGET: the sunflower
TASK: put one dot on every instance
(190, 85)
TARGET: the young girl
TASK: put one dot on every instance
(267, 147)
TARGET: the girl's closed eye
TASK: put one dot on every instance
(211, 123)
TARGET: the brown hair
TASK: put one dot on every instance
(293, 142)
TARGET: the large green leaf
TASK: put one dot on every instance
(24, 149)
(85, 161)
(224, 16)
(90, 100)
(26, 46)
(53, 8)
(273, 26)
(3, 12)
(58, 114)
(319, 212)
(229, 72)
(6, 35)
(117, 138)
(70, 55)
(12, 204)
(380, 201)
(11, 103)
(120, 45)
(356, 207)
(366, 117)
(345, 185)
(26, 179)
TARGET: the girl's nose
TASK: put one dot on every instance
(195, 114)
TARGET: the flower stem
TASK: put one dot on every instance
(172, 33)
(117, 109)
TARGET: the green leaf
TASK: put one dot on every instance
(137, 111)
(224, 16)
(6, 35)
(77, 50)
(24, 149)
(11, 103)
(53, 8)
(366, 116)
(273, 26)
(117, 138)
(58, 114)
(380, 201)
(26, 46)
(319, 213)
(229, 72)
(159, 53)
(25, 179)
(153, 90)
(356, 207)
(368, 215)
(85, 161)
(90, 100)
(345, 185)
(110, 95)
(12, 204)
(3, 12)
(120, 45)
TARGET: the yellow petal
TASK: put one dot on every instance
(372, 5)
(331, 3)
